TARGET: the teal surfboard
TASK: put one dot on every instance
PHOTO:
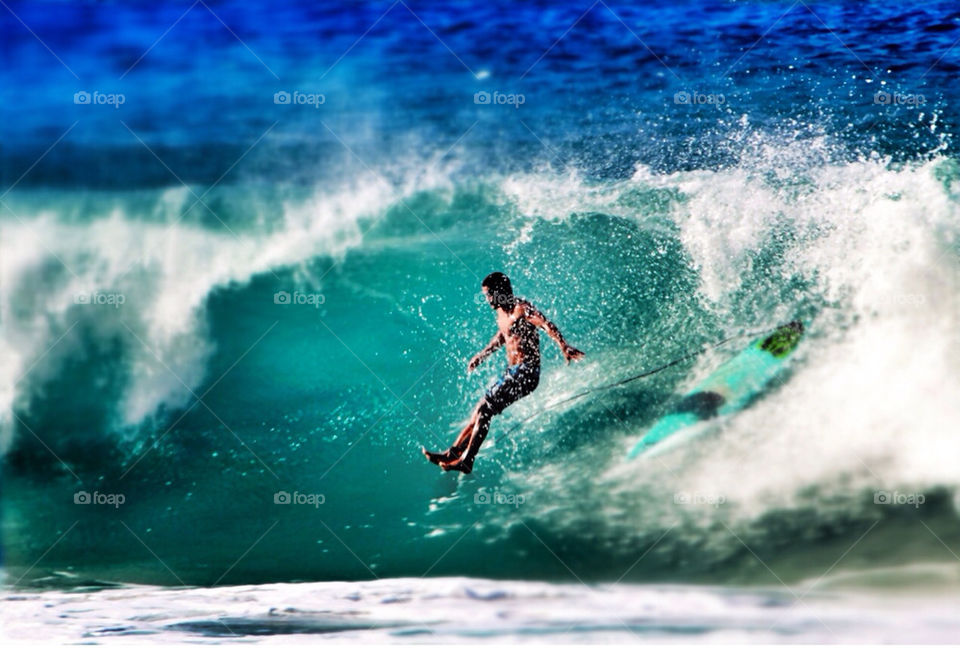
(729, 388)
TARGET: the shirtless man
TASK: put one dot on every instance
(517, 324)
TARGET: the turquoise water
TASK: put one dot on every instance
(144, 353)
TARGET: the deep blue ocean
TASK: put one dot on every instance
(241, 247)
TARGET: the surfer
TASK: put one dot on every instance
(518, 322)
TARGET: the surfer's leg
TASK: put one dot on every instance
(517, 383)
(460, 444)
(483, 426)
(465, 463)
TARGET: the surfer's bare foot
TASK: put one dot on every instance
(438, 458)
(452, 454)
(460, 466)
(433, 457)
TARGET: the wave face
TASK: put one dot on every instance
(236, 370)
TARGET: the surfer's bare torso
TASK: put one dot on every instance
(518, 335)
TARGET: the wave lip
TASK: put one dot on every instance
(138, 271)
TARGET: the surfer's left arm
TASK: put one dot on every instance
(537, 318)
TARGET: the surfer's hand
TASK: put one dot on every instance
(570, 353)
(472, 365)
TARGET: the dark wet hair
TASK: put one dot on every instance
(500, 289)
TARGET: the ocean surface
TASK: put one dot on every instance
(241, 247)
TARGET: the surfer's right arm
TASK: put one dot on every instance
(495, 344)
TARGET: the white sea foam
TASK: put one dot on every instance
(871, 404)
(875, 396)
(464, 610)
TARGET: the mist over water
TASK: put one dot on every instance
(148, 347)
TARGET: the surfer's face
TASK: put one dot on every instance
(487, 293)
(497, 299)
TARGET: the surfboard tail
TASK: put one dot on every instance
(729, 388)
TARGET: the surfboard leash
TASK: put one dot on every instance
(636, 377)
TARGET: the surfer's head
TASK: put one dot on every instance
(498, 290)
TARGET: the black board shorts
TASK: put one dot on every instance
(516, 382)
